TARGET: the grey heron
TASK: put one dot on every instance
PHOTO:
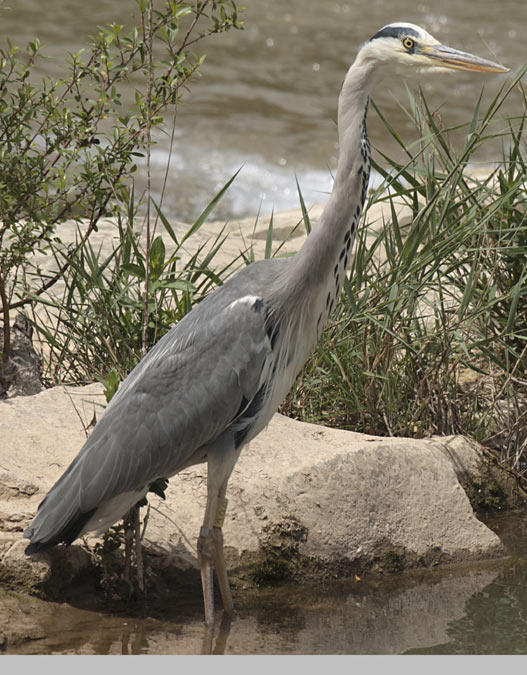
(214, 381)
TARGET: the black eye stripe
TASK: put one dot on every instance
(396, 32)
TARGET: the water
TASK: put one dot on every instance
(476, 609)
(494, 620)
(267, 98)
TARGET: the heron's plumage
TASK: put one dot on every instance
(215, 380)
(400, 31)
(195, 385)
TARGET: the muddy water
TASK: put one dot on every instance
(465, 610)
(267, 98)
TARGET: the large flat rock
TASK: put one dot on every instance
(336, 498)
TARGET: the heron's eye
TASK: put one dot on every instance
(408, 43)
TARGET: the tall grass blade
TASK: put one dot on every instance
(209, 208)
(305, 213)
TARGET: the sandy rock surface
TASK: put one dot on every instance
(335, 497)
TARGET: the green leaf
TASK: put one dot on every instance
(111, 384)
(179, 285)
(209, 208)
(269, 239)
(305, 213)
(166, 223)
(135, 269)
(157, 258)
(159, 487)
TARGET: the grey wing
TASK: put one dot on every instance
(191, 387)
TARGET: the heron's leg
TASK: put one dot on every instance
(225, 629)
(219, 558)
(206, 560)
(221, 462)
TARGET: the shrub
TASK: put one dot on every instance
(68, 147)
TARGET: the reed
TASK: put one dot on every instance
(431, 333)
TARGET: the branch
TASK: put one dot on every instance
(148, 130)
(6, 329)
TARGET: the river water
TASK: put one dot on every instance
(476, 609)
(267, 99)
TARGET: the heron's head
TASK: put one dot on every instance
(409, 45)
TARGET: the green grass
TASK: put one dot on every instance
(431, 333)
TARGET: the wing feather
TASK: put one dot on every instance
(181, 397)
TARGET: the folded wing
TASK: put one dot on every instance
(193, 385)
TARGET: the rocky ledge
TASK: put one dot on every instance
(304, 500)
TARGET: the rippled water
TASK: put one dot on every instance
(267, 98)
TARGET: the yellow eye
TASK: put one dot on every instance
(408, 43)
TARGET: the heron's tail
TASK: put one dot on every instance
(43, 537)
(59, 517)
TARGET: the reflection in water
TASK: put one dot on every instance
(221, 640)
(472, 610)
(495, 619)
(479, 609)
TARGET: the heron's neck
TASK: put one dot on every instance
(322, 261)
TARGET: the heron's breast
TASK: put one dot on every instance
(292, 352)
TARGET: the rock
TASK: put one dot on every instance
(24, 367)
(342, 500)
(329, 500)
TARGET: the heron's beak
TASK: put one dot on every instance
(453, 58)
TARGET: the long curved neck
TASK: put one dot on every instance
(336, 227)
(305, 293)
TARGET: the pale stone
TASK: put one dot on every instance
(338, 497)
(343, 498)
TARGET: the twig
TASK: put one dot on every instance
(183, 535)
(148, 132)
(165, 179)
(6, 328)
